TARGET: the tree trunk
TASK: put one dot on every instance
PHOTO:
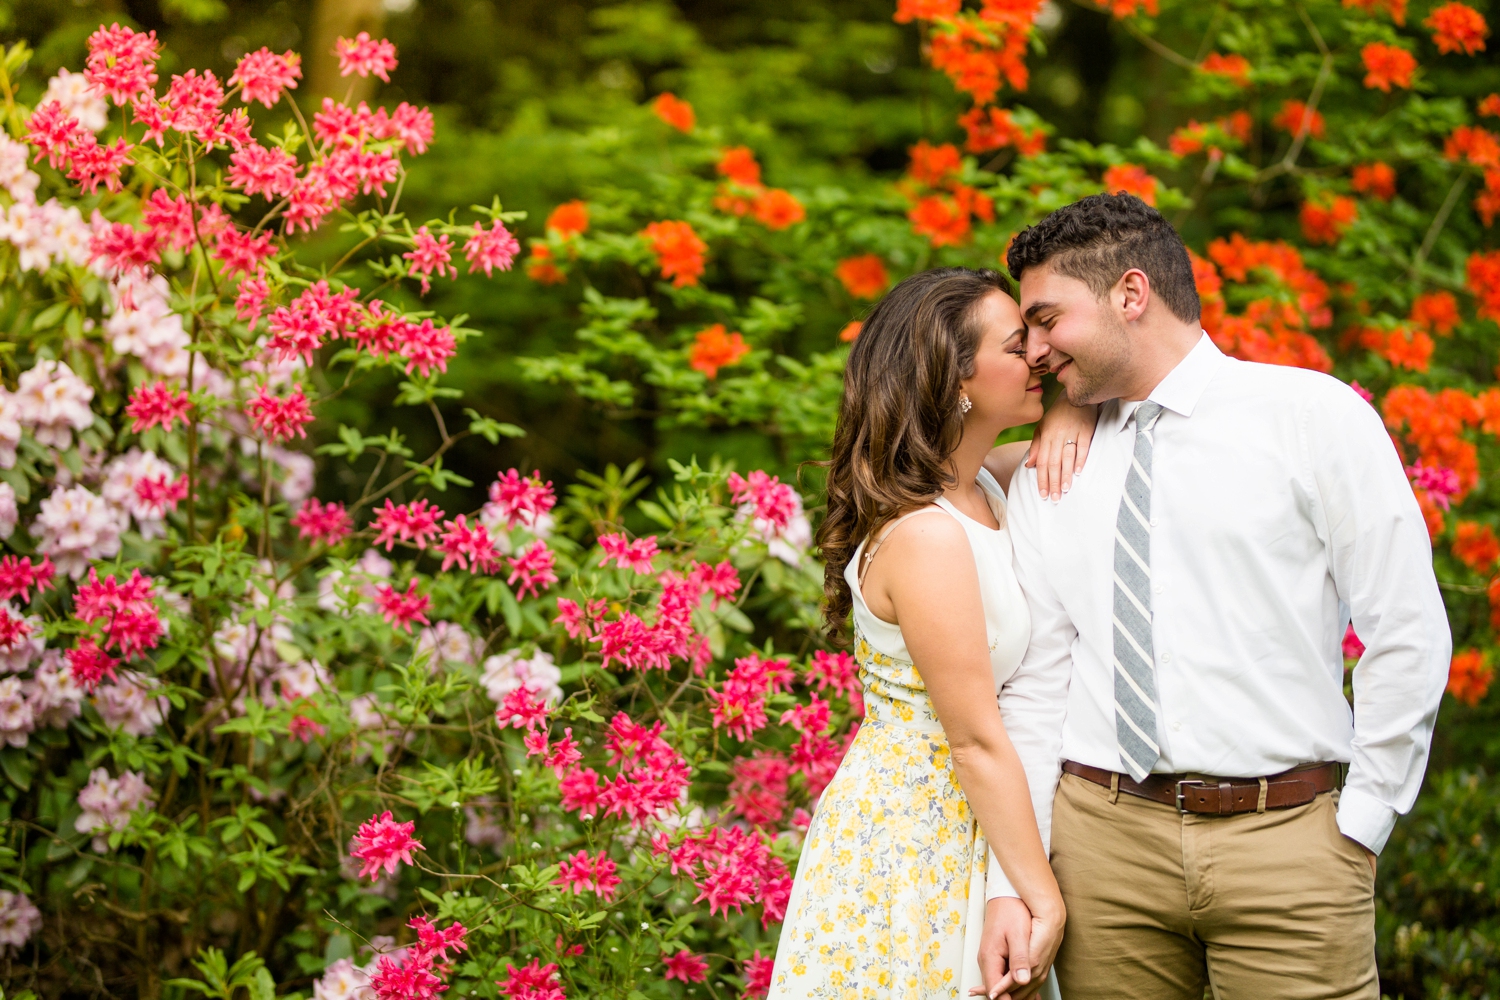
(332, 20)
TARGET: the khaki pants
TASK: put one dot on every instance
(1259, 906)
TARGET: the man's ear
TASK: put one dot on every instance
(1133, 292)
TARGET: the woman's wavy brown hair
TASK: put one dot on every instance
(899, 421)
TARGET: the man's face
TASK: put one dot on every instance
(1079, 338)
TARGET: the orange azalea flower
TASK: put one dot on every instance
(864, 277)
(777, 209)
(539, 267)
(1015, 13)
(569, 219)
(1457, 27)
(714, 348)
(925, 10)
(850, 332)
(1122, 9)
(1295, 116)
(1493, 592)
(1488, 403)
(1237, 125)
(1397, 8)
(1376, 179)
(1237, 257)
(940, 220)
(933, 165)
(738, 164)
(678, 249)
(1487, 202)
(1483, 279)
(1490, 106)
(1409, 349)
(1131, 179)
(1436, 311)
(1325, 222)
(1387, 66)
(674, 111)
(1475, 545)
(1470, 142)
(1188, 139)
(1469, 676)
(1235, 67)
(994, 128)
(966, 51)
(1435, 425)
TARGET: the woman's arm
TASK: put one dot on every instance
(930, 577)
(1057, 450)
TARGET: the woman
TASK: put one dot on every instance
(889, 899)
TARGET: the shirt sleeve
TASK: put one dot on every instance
(1034, 700)
(1381, 559)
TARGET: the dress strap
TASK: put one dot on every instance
(868, 556)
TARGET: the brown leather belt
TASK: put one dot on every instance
(1219, 796)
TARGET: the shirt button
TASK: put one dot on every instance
(1166, 657)
(1158, 588)
(1176, 727)
(1153, 522)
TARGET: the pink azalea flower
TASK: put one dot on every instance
(95, 164)
(122, 247)
(521, 500)
(155, 404)
(383, 843)
(532, 981)
(521, 708)
(533, 570)
(772, 500)
(18, 575)
(595, 874)
(242, 252)
(251, 300)
(277, 418)
(722, 580)
(89, 664)
(365, 56)
(636, 555)
(413, 522)
(425, 346)
(122, 62)
(685, 966)
(564, 753)
(465, 545)
(491, 248)
(430, 255)
(54, 132)
(263, 75)
(327, 523)
(158, 495)
(258, 170)
(304, 729)
(401, 609)
(757, 971)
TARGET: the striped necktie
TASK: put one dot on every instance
(1135, 665)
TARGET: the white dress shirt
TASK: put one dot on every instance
(1279, 510)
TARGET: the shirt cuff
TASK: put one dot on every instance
(996, 884)
(1365, 819)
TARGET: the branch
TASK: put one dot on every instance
(1171, 55)
(1438, 221)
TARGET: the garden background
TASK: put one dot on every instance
(706, 196)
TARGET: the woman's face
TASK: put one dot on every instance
(1004, 389)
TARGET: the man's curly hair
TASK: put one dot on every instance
(1098, 238)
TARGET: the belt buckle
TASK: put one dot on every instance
(1180, 797)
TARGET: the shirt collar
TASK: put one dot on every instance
(1184, 385)
(1178, 392)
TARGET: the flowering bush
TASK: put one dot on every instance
(368, 746)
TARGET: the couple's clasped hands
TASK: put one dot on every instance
(1016, 950)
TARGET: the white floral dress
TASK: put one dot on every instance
(889, 897)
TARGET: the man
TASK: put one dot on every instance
(1220, 807)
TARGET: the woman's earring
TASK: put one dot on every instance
(965, 404)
